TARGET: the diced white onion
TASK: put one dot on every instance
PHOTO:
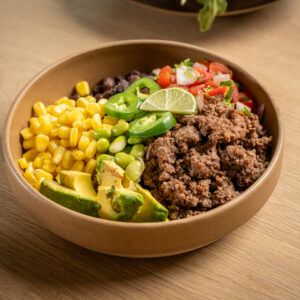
(156, 71)
(221, 77)
(196, 65)
(181, 77)
(199, 100)
(240, 107)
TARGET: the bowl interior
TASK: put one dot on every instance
(115, 59)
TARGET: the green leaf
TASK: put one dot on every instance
(246, 111)
(208, 12)
(229, 93)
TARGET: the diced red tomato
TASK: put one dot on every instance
(196, 89)
(219, 90)
(235, 92)
(213, 84)
(204, 76)
(204, 62)
(245, 94)
(165, 76)
(215, 67)
(250, 103)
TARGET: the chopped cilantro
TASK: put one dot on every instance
(246, 111)
(189, 74)
(228, 94)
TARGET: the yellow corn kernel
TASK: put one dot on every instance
(87, 124)
(110, 120)
(58, 155)
(64, 143)
(93, 108)
(45, 156)
(30, 155)
(53, 133)
(57, 178)
(27, 133)
(57, 110)
(34, 125)
(73, 137)
(65, 118)
(52, 146)
(90, 166)
(64, 132)
(81, 102)
(49, 109)
(67, 101)
(67, 160)
(23, 163)
(78, 165)
(83, 143)
(43, 174)
(59, 168)
(48, 166)
(90, 99)
(53, 119)
(90, 151)
(37, 162)
(101, 103)
(30, 177)
(76, 115)
(41, 142)
(82, 88)
(96, 121)
(91, 134)
(45, 127)
(106, 126)
(78, 155)
(30, 143)
(77, 124)
(39, 108)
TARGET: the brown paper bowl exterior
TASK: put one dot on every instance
(133, 239)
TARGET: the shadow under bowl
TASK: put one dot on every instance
(133, 239)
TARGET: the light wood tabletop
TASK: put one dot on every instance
(259, 260)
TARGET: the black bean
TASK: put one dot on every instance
(109, 92)
(98, 96)
(132, 78)
(108, 83)
(75, 96)
(122, 85)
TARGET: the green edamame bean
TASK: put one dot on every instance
(119, 128)
(101, 158)
(127, 149)
(134, 140)
(102, 133)
(123, 159)
(138, 151)
(118, 144)
(135, 170)
(102, 145)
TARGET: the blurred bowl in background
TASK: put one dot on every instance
(192, 7)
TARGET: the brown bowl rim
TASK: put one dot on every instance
(211, 213)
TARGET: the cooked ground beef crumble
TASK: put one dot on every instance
(206, 159)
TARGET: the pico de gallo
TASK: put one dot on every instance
(205, 79)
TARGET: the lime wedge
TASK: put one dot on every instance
(176, 100)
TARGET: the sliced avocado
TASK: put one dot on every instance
(118, 204)
(69, 198)
(110, 174)
(79, 181)
(152, 210)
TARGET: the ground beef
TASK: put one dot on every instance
(206, 159)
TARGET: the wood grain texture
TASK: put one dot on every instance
(260, 260)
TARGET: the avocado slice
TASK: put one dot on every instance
(118, 204)
(110, 174)
(79, 181)
(69, 198)
(151, 210)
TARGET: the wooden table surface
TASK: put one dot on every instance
(260, 260)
